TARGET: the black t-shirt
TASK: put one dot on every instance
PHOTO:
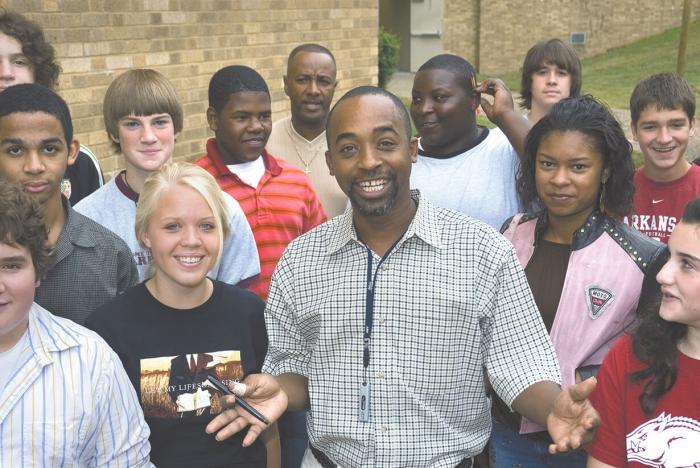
(168, 353)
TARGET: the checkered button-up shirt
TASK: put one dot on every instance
(450, 300)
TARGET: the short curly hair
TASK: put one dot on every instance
(39, 52)
(591, 118)
(22, 224)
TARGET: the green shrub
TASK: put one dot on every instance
(389, 46)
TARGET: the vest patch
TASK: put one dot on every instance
(598, 299)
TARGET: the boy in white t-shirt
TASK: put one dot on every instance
(463, 166)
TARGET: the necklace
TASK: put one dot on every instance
(306, 163)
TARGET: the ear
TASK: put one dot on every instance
(692, 126)
(413, 148)
(211, 119)
(146, 240)
(113, 138)
(329, 163)
(73, 150)
(633, 127)
(606, 175)
(286, 85)
(476, 100)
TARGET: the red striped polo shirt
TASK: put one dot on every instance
(281, 208)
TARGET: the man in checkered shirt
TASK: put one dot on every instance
(382, 321)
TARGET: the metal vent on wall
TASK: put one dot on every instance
(577, 38)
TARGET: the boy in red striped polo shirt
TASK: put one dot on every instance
(276, 197)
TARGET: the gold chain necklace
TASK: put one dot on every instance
(307, 165)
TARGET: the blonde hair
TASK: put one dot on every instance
(188, 175)
(140, 91)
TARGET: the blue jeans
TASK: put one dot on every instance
(508, 449)
(293, 438)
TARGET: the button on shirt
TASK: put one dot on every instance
(452, 300)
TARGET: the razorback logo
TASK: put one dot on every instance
(598, 299)
(665, 442)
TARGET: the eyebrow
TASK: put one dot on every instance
(12, 141)
(382, 129)
(688, 256)
(15, 259)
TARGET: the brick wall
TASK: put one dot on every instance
(461, 32)
(506, 29)
(189, 40)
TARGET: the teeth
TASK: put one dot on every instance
(190, 260)
(373, 185)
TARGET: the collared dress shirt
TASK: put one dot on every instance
(91, 266)
(69, 402)
(450, 300)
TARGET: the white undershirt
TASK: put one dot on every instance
(249, 172)
(8, 360)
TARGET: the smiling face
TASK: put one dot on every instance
(17, 284)
(310, 83)
(34, 153)
(680, 277)
(183, 238)
(663, 136)
(15, 67)
(147, 142)
(442, 111)
(550, 84)
(370, 154)
(568, 174)
(242, 127)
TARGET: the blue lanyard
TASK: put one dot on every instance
(369, 304)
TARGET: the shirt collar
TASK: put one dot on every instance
(213, 152)
(73, 233)
(47, 334)
(424, 225)
(321, 138)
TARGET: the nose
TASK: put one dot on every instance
(33, 164)
(552, 76)
(560, 176)
(665, 275)
(6, 70)
(190, 236)
(368, 159)
(148, 135)
(664, 135)
(312, 88)
(255, 125)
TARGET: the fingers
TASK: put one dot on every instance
(253, 433)
(238, 388)
(226, 424)
(580, 391)
(487, 106)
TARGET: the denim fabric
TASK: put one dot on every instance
(293, 438)
(508, 449)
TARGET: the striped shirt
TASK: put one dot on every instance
(69, 402)
(280, 209)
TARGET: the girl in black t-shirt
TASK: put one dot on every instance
(178, 327)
